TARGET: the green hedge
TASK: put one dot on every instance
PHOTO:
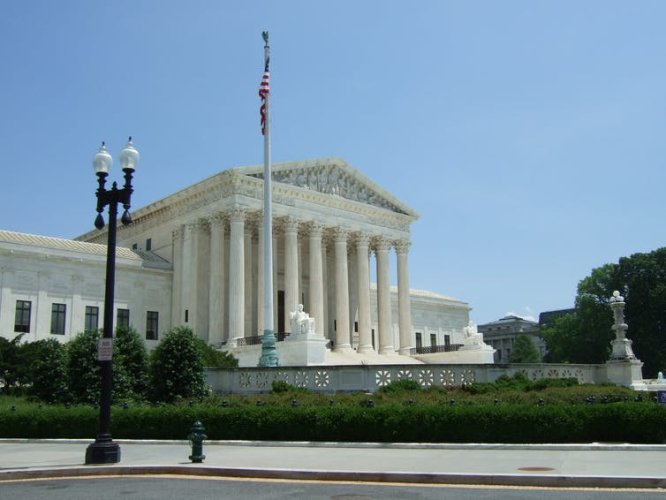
(551, 423)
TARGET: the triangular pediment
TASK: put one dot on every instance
(335, 177)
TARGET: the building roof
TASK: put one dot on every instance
(12, 240)
(329, 184)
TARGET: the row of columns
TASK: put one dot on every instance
(216, 279)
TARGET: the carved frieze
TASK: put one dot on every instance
(330, 179)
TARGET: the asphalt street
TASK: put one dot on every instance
(178, 488)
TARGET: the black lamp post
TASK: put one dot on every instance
(104, 450)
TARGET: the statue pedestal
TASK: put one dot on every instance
(622, 350)
(303, 349)
(474, 354)
(626, 372)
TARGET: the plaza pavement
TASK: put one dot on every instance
(588, 465)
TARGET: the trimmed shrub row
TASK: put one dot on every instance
(506, 423)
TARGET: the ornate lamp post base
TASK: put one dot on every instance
(101, 452)
(268, 351)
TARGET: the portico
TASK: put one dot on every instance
(332, 227)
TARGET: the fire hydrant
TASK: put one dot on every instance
(196, 438)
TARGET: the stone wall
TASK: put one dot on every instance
(371, 378)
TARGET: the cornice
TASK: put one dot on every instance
(225, 189)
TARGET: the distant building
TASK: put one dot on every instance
(501, 335)
(547, 316)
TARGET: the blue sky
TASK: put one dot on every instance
(528, 135)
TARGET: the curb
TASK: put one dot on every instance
(550, 481)
(368, 445)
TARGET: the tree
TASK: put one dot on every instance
(129, 351)
(83, 368)
(562, 340)
(176, 367)
(9, 362)
(643, 279)
(524, 351)
(212, 358)
(586, 336)
(84, 372)
(48, 371)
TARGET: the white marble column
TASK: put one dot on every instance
(329, 289)
(316, 278)
(190, 275)
(177, 283)
(237, 274)
(363, 279)
(248, 302)
(217, 279)
(342, 335)
(200, 325)
(384, 298)
(260, 278)
(404, 305)
(275, 279)
(291, 286)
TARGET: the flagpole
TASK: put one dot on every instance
(268, 340)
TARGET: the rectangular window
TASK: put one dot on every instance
(447, 340)
(433, 339)
(149, 244)
(419, 341)
(152, 318)
(22, 317)
(58, 312)
(122, 318)
(92, 319)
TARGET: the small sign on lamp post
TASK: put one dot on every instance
(104, 349)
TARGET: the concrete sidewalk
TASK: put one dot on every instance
(593, 465)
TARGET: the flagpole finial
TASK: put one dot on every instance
(264, 34)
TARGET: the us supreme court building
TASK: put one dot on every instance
(195, 258)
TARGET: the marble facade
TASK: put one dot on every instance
(333, 229)
(339, 242)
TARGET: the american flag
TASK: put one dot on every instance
(264, 90)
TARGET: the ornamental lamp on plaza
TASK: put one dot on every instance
(104, 450)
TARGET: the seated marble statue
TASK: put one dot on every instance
(301, 322)
(472, 335)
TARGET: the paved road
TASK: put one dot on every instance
(592, 465)
(168, 488)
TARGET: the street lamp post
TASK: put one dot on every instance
(104, 450)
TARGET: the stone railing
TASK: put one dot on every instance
(256, 340)
(434, 349)
(369, 378)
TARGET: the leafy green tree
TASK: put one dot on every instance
(48, 371)
(10, 366)
(643, 283)
(212, 358)
(84, 372)
(83, 368)
(129, 351)
(524, 351)
(561, 337)
(586, 336)
(176, 367)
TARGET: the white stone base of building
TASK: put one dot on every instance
(466, 355)
(312, 351)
